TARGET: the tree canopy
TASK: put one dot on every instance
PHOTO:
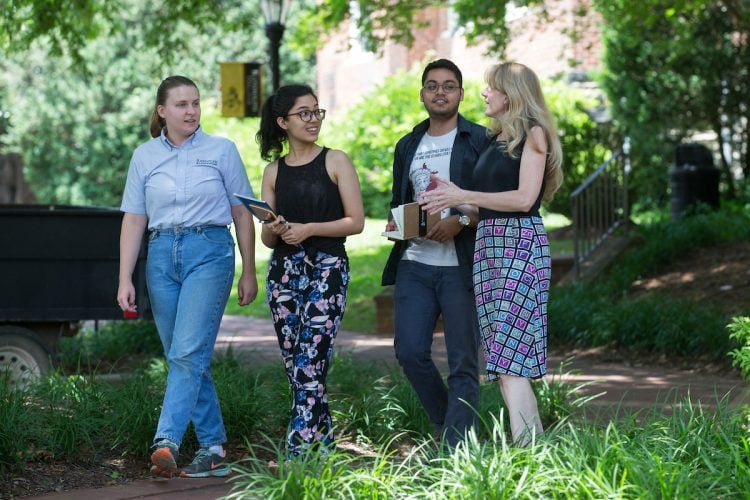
(675, 68)
(76, 120)
(670, 68)
(69, 25)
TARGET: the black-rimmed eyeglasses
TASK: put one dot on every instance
(307, 115)
(448, 87)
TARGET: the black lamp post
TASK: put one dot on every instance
(274, 13)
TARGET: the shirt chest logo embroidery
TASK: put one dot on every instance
(206, 163)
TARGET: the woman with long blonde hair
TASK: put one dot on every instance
(512, 263)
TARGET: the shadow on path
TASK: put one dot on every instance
(619, 385)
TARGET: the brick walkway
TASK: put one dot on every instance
(619, 384)
(620, 387)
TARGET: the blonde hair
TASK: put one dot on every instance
(526, 109)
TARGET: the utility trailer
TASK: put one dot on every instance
(59, 266)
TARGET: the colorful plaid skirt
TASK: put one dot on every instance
(512, 268)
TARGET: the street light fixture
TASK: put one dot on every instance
(274, 14)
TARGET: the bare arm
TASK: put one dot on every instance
(268, 236)
(131, 235)
(247, 287)
(533, 160)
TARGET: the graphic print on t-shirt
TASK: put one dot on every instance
(433, 156)
(420, 178)
(433, 161)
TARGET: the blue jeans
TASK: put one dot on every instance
(422, 293)
(189, 274)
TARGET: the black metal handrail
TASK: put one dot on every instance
(599, 206)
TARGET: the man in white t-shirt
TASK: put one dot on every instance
(432, 275)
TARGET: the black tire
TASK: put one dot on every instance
(22, 355)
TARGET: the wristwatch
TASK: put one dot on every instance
(464, 220)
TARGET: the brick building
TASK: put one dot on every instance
(346, 71)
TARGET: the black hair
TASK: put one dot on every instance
(270, 136)
(156, 123)
(446, 64)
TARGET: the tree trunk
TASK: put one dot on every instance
(13, 186)
(725, 165)
(744, 148)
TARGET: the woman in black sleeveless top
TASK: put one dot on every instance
(512, 261)
(316, 195)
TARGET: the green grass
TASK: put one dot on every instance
(561, 247)
(690, 454)
(554, 221)
(604, 313)
(110, 347)
(83, 417)
(18, 421)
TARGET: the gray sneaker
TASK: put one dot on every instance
(206, 464)
(164, 459)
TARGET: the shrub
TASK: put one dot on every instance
(112, 343)
(660, 325)
(739, 330)
(603, 312)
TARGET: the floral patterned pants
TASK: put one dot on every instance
(307, 298)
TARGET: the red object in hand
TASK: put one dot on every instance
(130, 314)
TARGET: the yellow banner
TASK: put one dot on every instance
(233, 89)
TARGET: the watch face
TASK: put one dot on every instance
(464, 220)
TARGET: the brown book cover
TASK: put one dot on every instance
(259, 208)
(411, 222)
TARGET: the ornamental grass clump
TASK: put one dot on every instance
(690, 453)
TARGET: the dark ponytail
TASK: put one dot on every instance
(270, 136)
(156, 123)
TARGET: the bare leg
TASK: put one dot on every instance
(522, 408)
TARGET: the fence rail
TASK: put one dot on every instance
(599, 207)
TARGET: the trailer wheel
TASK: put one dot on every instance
(22, 356)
